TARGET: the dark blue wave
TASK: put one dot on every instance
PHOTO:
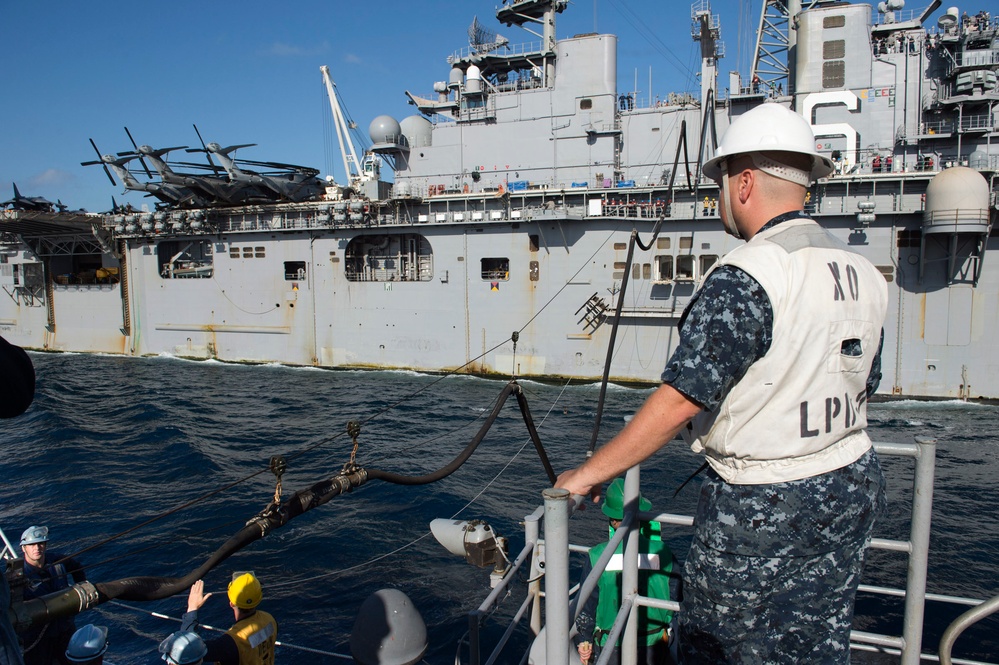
(111, 442)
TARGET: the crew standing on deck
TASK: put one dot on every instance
(47, 572)
(658, 577)
(251, 639)
(779, 352)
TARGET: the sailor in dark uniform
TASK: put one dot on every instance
(47, 572)
(17, 390)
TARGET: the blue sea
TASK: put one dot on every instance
(111, 443)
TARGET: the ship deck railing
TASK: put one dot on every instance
(897, 189)
(506, 50)
(548, 562)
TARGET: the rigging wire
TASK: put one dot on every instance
(567, 282)
(370, 418)
(640, 25)
(292, 456)
(467, 505)
(286, 645)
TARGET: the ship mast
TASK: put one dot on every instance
(771, 62)
(706, 29)
(519, 12)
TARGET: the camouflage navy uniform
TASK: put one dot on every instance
(772, 569)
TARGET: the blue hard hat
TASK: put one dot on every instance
(183, 648)
(87, 644)
(35, 534)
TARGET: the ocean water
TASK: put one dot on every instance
(111, 443)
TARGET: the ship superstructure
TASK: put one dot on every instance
(517, 185)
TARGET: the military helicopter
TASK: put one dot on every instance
(216, 188)
(289, 182)
(33, 203)
(168, 194)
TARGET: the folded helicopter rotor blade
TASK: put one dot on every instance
(203, 146)
(141, 160)
(101, 162)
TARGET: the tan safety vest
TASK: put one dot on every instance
(801, 409)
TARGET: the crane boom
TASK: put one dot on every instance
(342, 133)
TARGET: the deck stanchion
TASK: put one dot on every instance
(629, 574)
(556, 575)
(919, 538)
(532, 534)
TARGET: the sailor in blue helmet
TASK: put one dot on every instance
(88, 646)
(47, 572)
(779, 352)
(658, 577)
(184, 647)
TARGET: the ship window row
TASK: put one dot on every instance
(909, 238)
(247, 253)
(666, 268)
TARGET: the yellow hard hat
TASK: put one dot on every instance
(244, 591)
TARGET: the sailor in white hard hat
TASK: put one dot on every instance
(779, 352)
(46, 572)
(88, 645)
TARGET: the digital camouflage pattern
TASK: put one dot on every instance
(726, 328)
(772, 570)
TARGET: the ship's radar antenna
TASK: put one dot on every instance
(483, 40)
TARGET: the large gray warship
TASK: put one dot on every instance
(516, 191)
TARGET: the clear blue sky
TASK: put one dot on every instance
(248, 72)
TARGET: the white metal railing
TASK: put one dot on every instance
(550, 559)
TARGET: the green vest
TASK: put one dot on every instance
(652, 621)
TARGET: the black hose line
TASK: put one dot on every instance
(636, 240)
(525, 411)
(610, 344)
(445, 471)
(156, 588)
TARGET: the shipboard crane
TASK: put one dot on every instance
(357, 174)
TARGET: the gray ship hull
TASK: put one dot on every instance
(513, 209)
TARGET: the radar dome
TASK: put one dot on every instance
(417, 130)
(957, 201)
(949, 18)
(384, 129)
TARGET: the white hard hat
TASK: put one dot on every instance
(183, 648)
(87, 644)
(766, 127)
(35, 534)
